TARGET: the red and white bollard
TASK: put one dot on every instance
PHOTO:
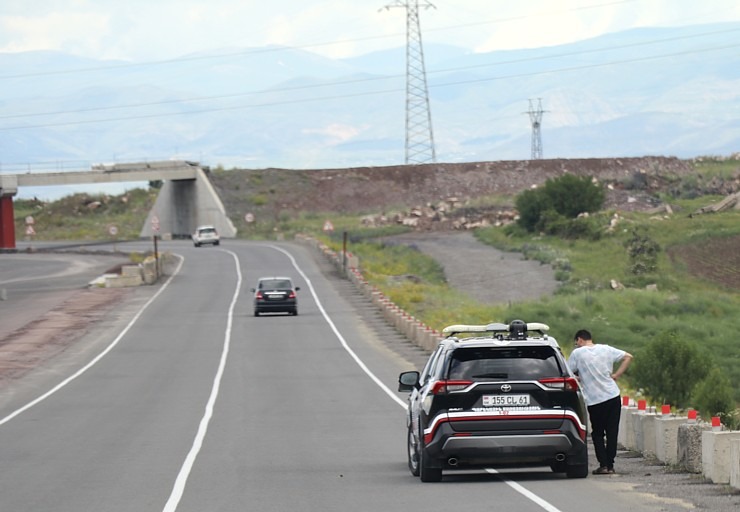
(692, 416)
(716, 424)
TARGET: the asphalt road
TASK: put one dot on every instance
(183, 400)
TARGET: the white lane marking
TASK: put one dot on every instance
(99, 356)
(339, 336)
(525, 492)
(517, 487)
(182, 477)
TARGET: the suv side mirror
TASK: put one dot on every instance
(408, 381)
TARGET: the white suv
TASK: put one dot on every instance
(205, 235)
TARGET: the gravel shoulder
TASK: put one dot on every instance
(484, 273)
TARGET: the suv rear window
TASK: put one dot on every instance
(508, 363)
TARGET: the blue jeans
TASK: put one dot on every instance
(605, 429)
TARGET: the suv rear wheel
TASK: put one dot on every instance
(413, 453)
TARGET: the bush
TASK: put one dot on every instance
(643, 252)
(713, 396)
(562, 198)
(669, 368)
(531, 204)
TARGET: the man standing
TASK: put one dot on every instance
(594, 366)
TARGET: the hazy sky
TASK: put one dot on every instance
(140, 30)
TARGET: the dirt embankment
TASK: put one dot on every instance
(383, 189)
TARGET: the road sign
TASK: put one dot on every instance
(112, 230)
(30, 221)
(30, 231)
(155, 224)
(249, 218)
(328, 226)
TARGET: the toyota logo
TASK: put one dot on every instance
(506, 388)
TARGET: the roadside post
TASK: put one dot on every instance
(113, 231)
(344, 252)
(30, 231)
(155, 230)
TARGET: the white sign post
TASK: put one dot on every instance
(113, 231)
(29, 230)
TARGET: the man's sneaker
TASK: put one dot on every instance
(603, 470)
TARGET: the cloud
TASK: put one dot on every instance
(336, 132)
(71, 32)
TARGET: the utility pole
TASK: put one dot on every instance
(535, 117)
(419, 136)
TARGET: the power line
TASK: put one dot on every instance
(390, 77)
(333, 97)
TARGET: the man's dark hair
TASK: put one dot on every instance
(583, 334)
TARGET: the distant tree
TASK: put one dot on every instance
(560, 199)
(156, 184)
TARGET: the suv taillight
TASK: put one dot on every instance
(564, 383)
(259, 295)
(443, 387)
(292, 295)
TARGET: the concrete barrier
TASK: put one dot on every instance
(716, 455)
(626, 437)
(648, 434)
(689, 446)
(666, 438)
(735, 463)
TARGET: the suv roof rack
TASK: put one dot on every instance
(516, 326)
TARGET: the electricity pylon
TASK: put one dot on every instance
(419, 136)
(535, 117)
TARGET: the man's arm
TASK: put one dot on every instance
(626, 361)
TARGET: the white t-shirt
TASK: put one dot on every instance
(594, 364)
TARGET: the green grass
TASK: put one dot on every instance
(84, 217)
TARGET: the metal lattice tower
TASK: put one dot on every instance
(535, 117)
(419, 136)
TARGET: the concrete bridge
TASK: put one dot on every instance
(186, 200)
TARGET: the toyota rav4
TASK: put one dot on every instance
(492, 396)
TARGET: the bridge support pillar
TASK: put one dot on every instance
(8, 188)
(7, 224)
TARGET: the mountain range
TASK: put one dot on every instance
(649, 91)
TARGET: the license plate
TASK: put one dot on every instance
(505, 400)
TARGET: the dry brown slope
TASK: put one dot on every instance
(378, 189)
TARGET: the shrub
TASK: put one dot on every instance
(713, 396)
(643, 252)
(530, 204)
(669, 368)
(562, 198)
(571, 195)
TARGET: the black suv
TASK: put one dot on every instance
(495, 395)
